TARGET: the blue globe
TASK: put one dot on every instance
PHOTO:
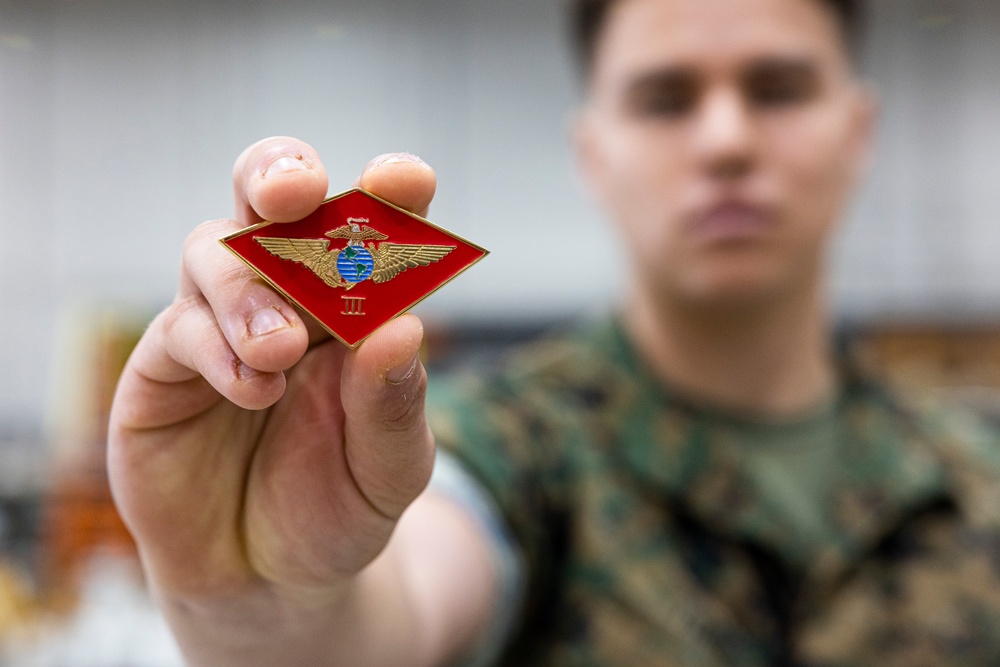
(355, 264)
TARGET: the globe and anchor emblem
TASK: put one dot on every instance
(356, 262)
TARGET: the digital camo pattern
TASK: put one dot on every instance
(649, 545)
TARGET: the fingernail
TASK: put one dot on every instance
(265, 321)
(393, 158)
(244, 372)
(402, 372)
(285, 165)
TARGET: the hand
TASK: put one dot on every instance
(260, 464)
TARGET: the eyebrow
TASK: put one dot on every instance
(799, 67)
(683, 76)
(672, 77)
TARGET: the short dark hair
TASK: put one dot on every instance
(587, 19)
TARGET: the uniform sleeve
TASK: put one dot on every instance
(513, 452)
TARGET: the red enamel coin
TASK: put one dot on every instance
(356, 262)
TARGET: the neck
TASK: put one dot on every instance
(773, 361)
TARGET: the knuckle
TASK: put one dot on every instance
(206, 232)
(404, 412)
(390, 482)
(231, 276)
(178, 311)
(202, 250)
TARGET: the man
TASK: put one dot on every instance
(697, 481)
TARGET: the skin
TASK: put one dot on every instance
(724, 140)
(264, 470)
(262, 467)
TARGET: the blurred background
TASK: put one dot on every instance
(119, 123)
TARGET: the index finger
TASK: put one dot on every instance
(280, 179)
(401, 178)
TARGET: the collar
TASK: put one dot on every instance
(889, 467)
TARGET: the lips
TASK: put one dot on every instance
(733, 222)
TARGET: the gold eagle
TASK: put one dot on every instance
(388, 259)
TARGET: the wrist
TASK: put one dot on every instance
(261, 624)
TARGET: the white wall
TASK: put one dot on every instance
(925, 239)
(119, 121)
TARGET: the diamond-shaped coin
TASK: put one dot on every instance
(356, 262)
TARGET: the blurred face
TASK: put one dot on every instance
(723, 137)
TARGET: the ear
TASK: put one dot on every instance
(589, 153)
(865, 117)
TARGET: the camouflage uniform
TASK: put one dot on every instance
(659, 533)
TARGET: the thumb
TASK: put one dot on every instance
(389, 447)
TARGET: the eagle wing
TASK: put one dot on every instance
(366, 234)
(310, 252)
(391, 259)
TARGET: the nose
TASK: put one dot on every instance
(724, 135)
